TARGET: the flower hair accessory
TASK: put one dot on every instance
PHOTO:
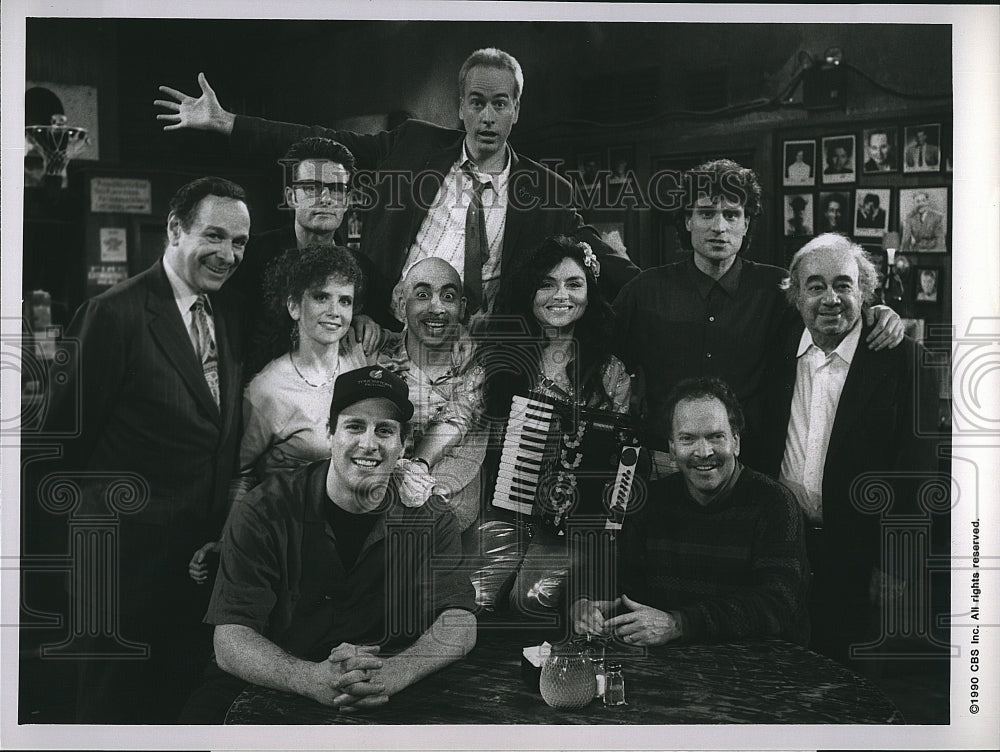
(590, 259)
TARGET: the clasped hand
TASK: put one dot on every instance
(641, 625)
(350, 678)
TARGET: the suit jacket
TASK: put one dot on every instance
(409, 165)
(874, 431)
(876, 221)
(932, 155)
(146, 409)
(925, 234)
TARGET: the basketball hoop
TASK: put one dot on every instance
(57, 143)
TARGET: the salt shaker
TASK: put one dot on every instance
(614, 684)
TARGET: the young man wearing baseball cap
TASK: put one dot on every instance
(307, 593)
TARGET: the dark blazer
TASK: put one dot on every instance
(400, 173)
(145, 408)
(875, 431)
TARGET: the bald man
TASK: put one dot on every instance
(434, 356)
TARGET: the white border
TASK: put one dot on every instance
(976, 230)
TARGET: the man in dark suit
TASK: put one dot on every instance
(870, 215)
(422, 194)
(922, 155)
(159, 383)
(841, 418)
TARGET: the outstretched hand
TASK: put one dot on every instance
(202, 113)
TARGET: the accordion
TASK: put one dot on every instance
(560, 460)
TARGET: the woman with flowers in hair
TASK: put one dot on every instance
(561, 326)
(550, 335)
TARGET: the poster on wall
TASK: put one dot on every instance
(121, 196)
(113, 245)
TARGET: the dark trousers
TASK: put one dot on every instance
(839, 607)
(159, 607)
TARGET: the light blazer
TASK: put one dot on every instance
(409, 164)
(145, 407)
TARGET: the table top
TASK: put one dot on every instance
(767, 682)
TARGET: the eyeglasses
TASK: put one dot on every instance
(314, 188)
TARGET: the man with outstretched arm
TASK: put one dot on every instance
(466, 197)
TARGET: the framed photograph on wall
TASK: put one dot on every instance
(880, 151)
(799, 165)
(923, 148)
(929, 287)
(871, 218)
(839, 159)
(588, 166)
(621, 162)
(834, 213)
(923, 220)
(798, 215)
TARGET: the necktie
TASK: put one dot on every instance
(477, 249)
(206, 350)
(920, 156)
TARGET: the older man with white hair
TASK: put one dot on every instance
(841, 415)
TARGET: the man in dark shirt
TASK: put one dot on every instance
(715, 313)
(324, 566)
(716, 553)
(318, 175)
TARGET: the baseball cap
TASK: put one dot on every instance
(371, 381)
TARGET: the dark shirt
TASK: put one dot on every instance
(281, 573)
(675, 322)
(733, 569)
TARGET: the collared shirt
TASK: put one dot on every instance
(455, 397)
(281, 574)
(184, 297)
(819, 381)
(442, 233)
(674, 322)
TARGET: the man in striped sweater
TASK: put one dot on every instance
(715, 553)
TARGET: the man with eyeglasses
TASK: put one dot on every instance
(318, 179)
(465, 197)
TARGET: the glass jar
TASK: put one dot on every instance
(592, 648)
(567, 680)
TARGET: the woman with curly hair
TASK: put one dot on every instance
(286, 405)
(310, 294)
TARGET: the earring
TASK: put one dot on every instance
(294, 336)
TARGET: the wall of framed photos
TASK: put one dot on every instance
(886, 183)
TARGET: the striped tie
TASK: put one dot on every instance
(206, 350)
(477, 248)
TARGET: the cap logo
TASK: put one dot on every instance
(376, 374)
